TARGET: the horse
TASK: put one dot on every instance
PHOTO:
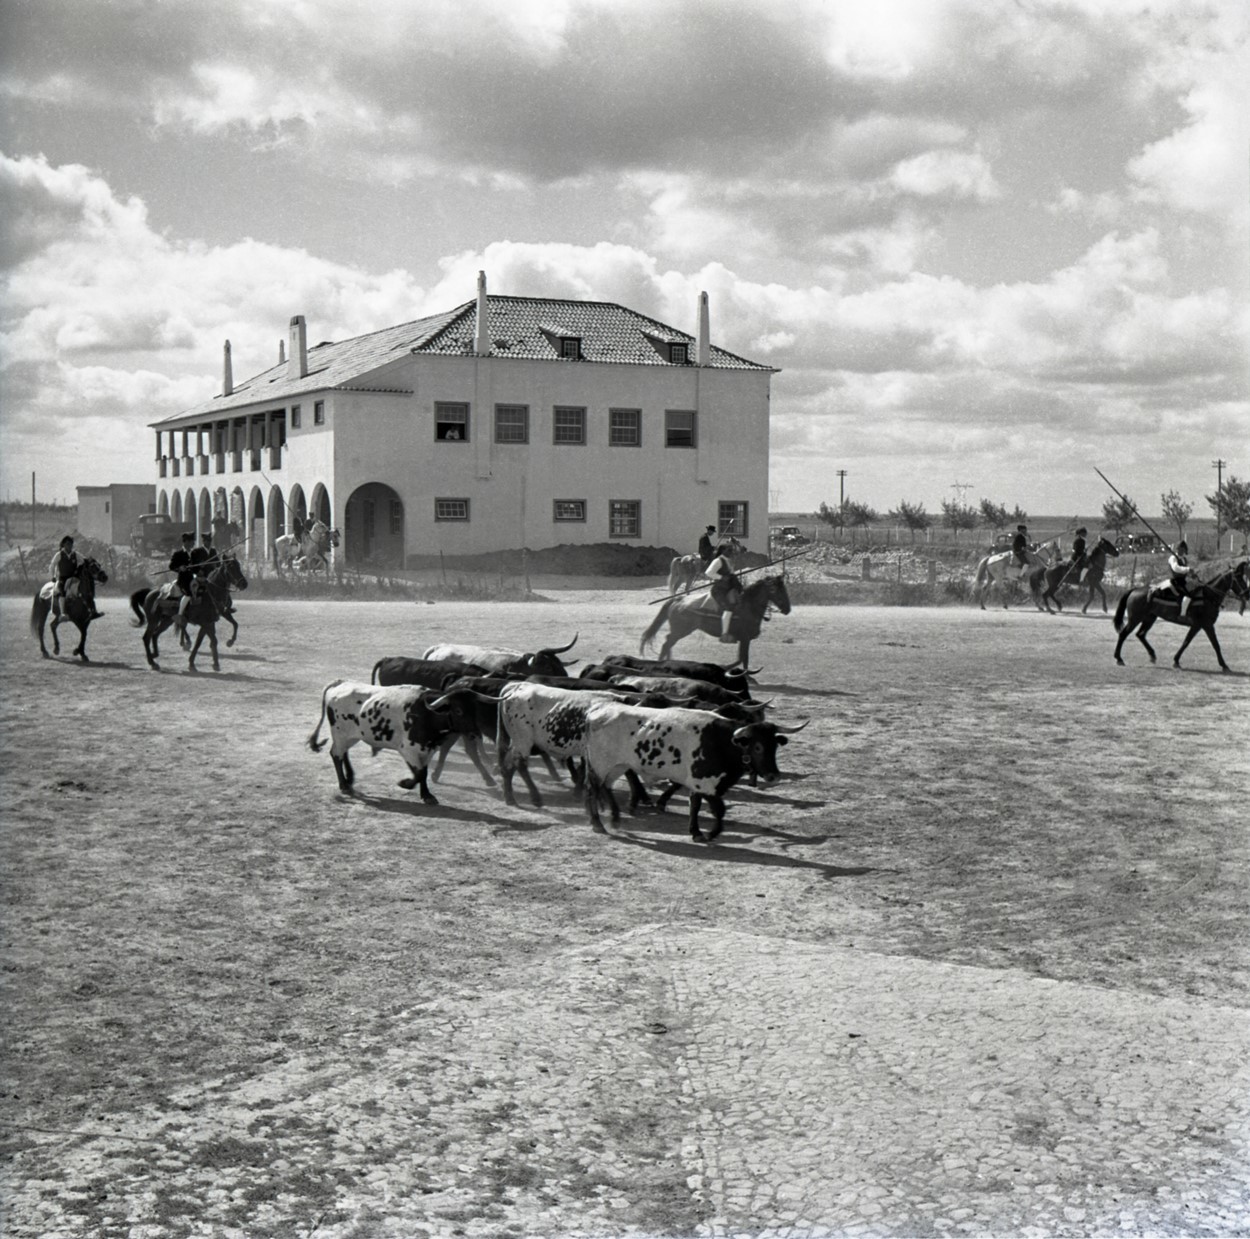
(698, 613)
(316, 543)
(155, 614)
(1139, 608)
(685, 570)
(76, 608)
(999, 568)
(1095, 565)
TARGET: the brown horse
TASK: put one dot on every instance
(1095, 566)
(698, 613)
(155, 614)
(76, 608)
(1140, 607)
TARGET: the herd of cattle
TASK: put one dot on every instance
(673, 724)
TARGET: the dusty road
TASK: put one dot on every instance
(978, 965)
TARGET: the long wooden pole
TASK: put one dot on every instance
(1136, 513)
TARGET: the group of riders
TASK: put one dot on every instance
(191, 566)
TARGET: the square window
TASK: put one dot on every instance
(451, 509)
(679, 354)
(512, 423)
(569, 425)
(571, 347)
(732, 518)
(679, 428)
(319, 412)
(625, 427)
(624, 518)
(570, 510)
(295, 412)
(451, 421)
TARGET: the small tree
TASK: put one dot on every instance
(1231, 505)
(1176, 510)
(858, 516)
(994, 515)
(1119, 513)
(957, 516)
(830, 516)
(913, 516)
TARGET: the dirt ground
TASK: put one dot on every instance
(189, 900)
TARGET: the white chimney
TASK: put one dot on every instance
(227, 372)
(282, 352)
(297, 362)
(703, 353)
(482, 346)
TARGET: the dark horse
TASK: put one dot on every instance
(1140, 607)
(1095, 566)
(155, 614)
(698, 613)
(75, 609)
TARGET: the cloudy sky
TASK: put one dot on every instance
(986, 242)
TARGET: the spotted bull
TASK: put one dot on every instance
(502, 661)
(705, 754)
(395, 717)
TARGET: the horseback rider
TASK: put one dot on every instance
(707, 552)
(1020, 546)
(1079, 557)
(1180, 567)
(180, 564)
(64, 568)
(726, 590)
(206, 558)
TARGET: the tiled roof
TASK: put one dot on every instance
(521, 327)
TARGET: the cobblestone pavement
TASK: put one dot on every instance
(695, 1082)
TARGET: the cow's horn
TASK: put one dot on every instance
(570, 645)
(789, 731)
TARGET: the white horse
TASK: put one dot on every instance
(1001, 569)
(311, 550)
(685, 570)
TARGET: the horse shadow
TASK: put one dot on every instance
(92, 664)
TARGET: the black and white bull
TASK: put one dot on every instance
(428, 672)
(704, 754)
(395, 717)
(503, 661)
(680, 686)
(734, 678)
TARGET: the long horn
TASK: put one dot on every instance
(438, 705)
(570, 645)
(789, 731)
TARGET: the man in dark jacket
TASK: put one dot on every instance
(707, 549)
(1079, 557)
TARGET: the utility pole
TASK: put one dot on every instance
(1218, 466)
(32, 505)
(841, 498)
(961, 488)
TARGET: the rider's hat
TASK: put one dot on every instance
(1182, 545)
(67, 541)
(206, 536)
(711, 529)
(1022, 529)
(188, 536)
(1082, 530)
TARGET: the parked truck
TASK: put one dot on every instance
(155, 533)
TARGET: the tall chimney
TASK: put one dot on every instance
(227, 372)
(282, 352)
(297, 362)
(482, 345)
(703, 353)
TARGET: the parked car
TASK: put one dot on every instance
(789, 535)
(1141, 543)
(155, 533)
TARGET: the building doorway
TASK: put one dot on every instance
(373, 527)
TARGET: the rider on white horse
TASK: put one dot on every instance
(1024, 554)
(726, 591)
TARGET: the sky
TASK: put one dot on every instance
(989, 245)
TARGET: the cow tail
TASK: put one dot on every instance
(1120, 608)
(655, 626)
(313, 743)
(373, 675)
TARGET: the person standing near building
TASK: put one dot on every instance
(707, 549)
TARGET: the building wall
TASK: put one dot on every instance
(108, 513)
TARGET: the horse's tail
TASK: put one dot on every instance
(38, 614)
(313, 742)
(1120, 608)
(655, 626)
(676, 576)
(983, 569)
(136, 605)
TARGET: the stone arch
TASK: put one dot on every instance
(297, 505)
(221, 505)
(189, 509)
(373, 527)
(275, 520)
(162, 504)
(319, 508)
(175, 508)
(206, 514)
(237, 521)
(255, 528)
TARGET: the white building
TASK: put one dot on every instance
(109, 513)
(505, 422)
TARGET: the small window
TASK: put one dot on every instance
(679, 354)
(451, 509)
(571, 347)
(625, 427)
(679, 428)
(397, 518)
(295, 416)
(319, 412)
(451, 421)
(732, 519)
(106, 507)
(624, 518)
(512, 423)
(569, 426)
(570, 510)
